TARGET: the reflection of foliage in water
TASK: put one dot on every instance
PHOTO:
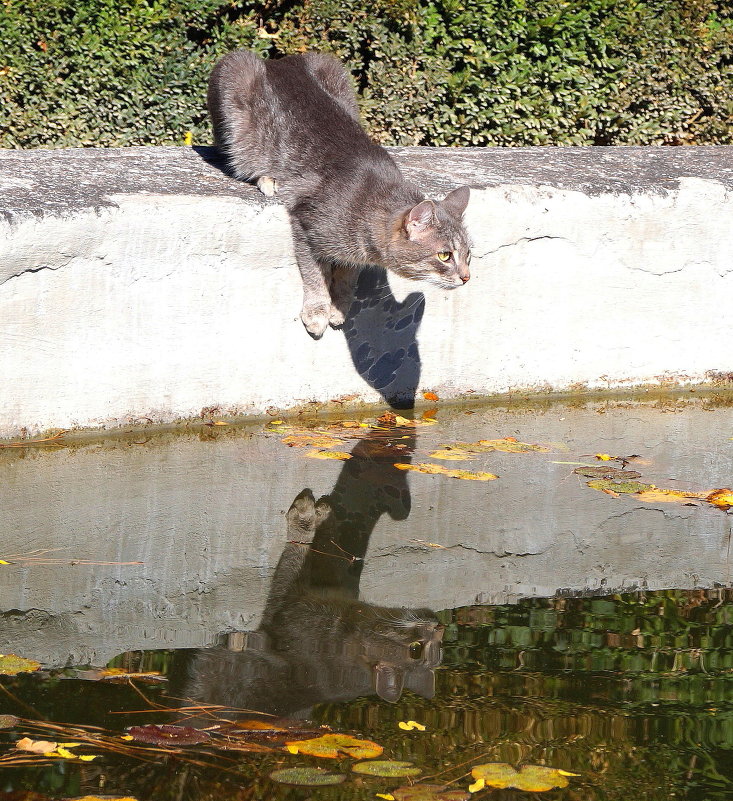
(633, 692)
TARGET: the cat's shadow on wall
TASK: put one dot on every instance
(380, 331)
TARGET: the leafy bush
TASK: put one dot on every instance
(429, 72)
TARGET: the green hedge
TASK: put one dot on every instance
(429, 72)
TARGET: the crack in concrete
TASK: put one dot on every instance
(424, 548)
(31, 270)
(520, 240)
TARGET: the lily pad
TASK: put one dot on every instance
(333, 746)
(11, 665)
(387, 768)
(429, 792)
(168, 735)
(534, 778)
(307, 777)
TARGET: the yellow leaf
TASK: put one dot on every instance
(63, 753)
(722, 498)
(451, 454)
(566, 772)
(188, 139)
(603, 457)
(127, 737)
(342, 457)
(436, 469)
(310, 440)
(88, 757)
(292, 748)
(410, 725)
(479, 784)
(3, 562)
(276, 422)
(220, 423)
(385, 796)
(656, 495)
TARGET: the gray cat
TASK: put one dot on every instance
(292, 126)
(317, 642)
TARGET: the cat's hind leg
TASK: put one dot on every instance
(335, 79)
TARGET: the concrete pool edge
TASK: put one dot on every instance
(143, 284)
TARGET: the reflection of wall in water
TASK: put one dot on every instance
(317, 642)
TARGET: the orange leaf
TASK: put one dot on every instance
(431, 396)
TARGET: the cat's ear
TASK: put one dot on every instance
(457, 200)
(388, 681)
(419, 218)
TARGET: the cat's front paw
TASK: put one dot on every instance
(315, 319)
(336, 318)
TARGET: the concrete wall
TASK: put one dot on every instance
(143, 283)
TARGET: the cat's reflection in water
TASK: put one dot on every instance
(317, 641)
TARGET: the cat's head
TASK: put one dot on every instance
(430, 242)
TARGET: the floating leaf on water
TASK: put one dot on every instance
(656, 495)
(478, 785)
(252, 724)
(385, 796)
(11, 665)
(340, 456)
(437, 469)
(451, 454)
(410, 725)
(164, 734)
(607, 472)
(534, 778)
(36, 746)
(332, 746)
(387, 768)
(310, 440)
(604, 457)
(8, 721)
(511, 445)
(429, 792)
(431, 396)
(307, 777)
(722, 498)
(629, 487)
(118, 674)
(103, 798)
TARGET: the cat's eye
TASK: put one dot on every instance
(415, 650)
(444, 255)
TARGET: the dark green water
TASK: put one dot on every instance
(633, 692)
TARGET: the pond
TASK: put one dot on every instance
(541, 583)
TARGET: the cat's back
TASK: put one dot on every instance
(295, 118)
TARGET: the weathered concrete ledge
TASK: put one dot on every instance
(145, 283)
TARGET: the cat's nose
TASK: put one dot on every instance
(465, 277)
